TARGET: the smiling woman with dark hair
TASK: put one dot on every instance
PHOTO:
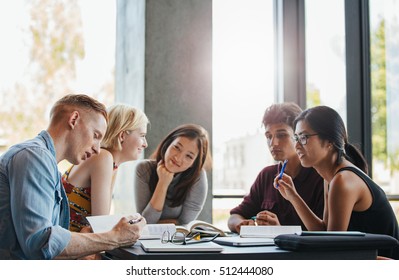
(172, 185)
(354, 201)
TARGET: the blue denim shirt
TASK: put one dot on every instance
(34, 214)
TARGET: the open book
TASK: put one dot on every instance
(268, 231)
(202, 227)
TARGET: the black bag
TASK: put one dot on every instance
(385, 244)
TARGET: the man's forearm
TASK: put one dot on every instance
(83, 244)
(122, 234)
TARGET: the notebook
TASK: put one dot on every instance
(156, 246)
(267, 231)
(331, 233)
(105, 223)
(244, 242)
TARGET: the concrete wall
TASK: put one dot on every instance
(178, 82)
(178, 66)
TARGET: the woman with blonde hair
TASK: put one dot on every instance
(172, 186)
(89, 185)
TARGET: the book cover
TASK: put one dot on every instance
(158, 246)
(268, 231)
(238, 241)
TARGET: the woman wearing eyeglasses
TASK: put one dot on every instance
(89, 185)
(354, 202)
(172, 185)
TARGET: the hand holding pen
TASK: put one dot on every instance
(128, 230)
(280, 175)
(266, 217)
(254, 219)
(135, 221)
(286, 187)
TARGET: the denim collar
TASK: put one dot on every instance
(48, 141)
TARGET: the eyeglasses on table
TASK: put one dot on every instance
(180, 238)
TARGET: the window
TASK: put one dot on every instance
(52, 48)
(384, 56)
(325, 54)
(243, 86)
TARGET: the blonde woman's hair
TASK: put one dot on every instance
(122, 117)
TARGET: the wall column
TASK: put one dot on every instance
(167, 70)
(178, 70)
(290, 51)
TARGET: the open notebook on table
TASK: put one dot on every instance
(158, 246)
(105, 223)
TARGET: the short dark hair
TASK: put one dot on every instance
(281, 113)
(82, 101)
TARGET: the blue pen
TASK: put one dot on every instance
(282, 171)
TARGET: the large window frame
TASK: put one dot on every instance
(290, 26)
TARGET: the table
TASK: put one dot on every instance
(241, 253)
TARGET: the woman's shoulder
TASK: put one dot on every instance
(346, 178)
(348, 171)
(202, 179)
(145, 166)
(95, 164)
(203, 174)
(146, 163)
(103, 160)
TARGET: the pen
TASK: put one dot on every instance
(254, 219)
(282, 171)
(135, 221)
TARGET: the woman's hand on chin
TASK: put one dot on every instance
(163, 173)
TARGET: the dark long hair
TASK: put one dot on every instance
(328, 124)
(192, 174)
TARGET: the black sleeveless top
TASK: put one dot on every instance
(379, 218)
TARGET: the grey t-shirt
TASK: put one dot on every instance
(185, 213)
